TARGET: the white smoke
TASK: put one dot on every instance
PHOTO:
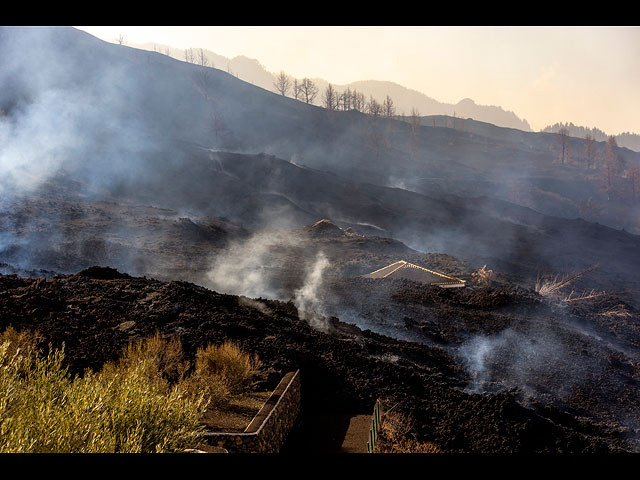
(477, 356)
(254, 304)
(248, 268)
(308, 298)
(35, 143)
(524, 360)
(253, 269)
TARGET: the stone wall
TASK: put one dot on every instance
(268, 430)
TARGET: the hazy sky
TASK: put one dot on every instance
(586, 75)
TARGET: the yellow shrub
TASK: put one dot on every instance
(163, 359)
(228, 362)
(395, 435)
(145, 402)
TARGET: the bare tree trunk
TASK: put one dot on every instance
(282, 83)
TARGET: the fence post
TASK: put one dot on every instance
(375, 426)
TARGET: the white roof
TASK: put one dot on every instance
(409, 271)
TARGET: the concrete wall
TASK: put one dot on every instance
(268, 430)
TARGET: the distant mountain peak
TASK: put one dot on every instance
(466, 101)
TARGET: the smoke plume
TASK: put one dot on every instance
(308, 298)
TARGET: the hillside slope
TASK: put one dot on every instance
(273, 210)
(65, 222)
(76, 81)
(344, 369)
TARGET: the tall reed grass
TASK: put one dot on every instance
(144, 403)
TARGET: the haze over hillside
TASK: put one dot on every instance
(172, 124)
(254, 216)
(250, 70)
(405, 99)
(626, 139)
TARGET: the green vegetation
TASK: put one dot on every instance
(144, 403)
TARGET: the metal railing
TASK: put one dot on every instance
(375, 426)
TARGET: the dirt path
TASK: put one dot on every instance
(357, 435)
(335, 433)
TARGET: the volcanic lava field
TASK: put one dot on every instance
(145, 194)
(494, 368)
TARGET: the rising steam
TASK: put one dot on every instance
(253, 269)
(249, 268)
(308, 298)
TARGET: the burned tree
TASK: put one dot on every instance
(308, 90)
(611, 167)
(345, 99)
(374, 108)
(415, 123)
(357, 101)
(282, 83)
(329, 99)
(189, 56)
(633, 173)
(297, 89)
(388, 109)
(202, 58)
(562, 138)
(590, 151)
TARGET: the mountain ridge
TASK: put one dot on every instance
(405, 99)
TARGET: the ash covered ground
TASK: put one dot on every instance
(486, 369)
(141, 193)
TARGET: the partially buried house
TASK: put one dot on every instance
(409, 271)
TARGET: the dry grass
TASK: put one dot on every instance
(229, 363)
(619, 311)
(551, 286)
(119, 409)
(144, 403)
(409, 445)
(483, 276)
(583, 296)
(546, 286)
(19, 345)
(396, 435)
(163, 358)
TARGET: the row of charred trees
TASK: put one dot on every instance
(306, 90)
(616, 177)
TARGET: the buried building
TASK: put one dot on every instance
(409, 271)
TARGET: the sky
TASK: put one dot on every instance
(589, 76)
